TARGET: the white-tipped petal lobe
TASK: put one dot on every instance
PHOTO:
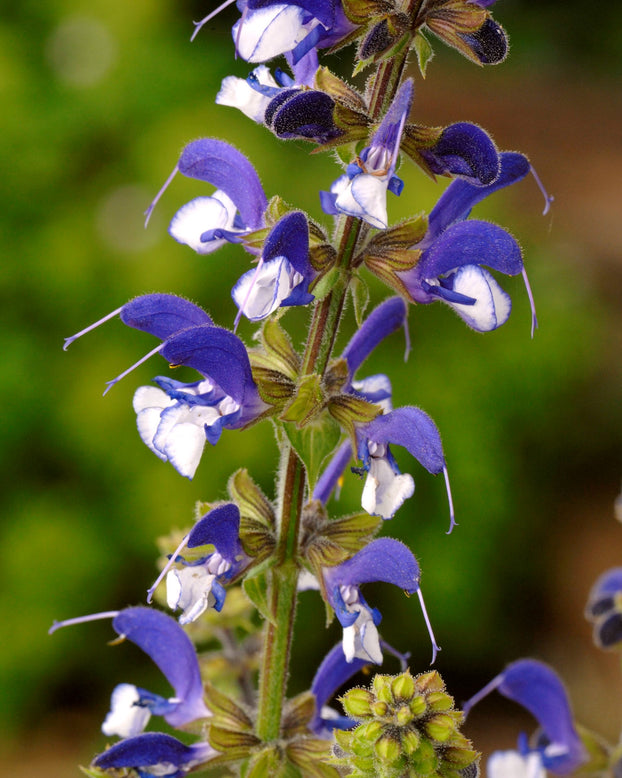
(200, 215)
(511, 764)
(127, 717)
(492, 305)
(266, 32)
(385, 490)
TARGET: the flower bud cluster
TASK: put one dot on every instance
(407, 726)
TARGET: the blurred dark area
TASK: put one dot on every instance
(98, 100)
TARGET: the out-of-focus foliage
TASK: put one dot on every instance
(98, 99)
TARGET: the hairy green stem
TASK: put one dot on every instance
(349, 236)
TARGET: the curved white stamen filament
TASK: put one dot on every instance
(167, 567)
(435, 647)
(452, 518)
(82, 620)
(534, 318)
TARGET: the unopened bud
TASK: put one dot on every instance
(357, 702)
(403, 686)
(388, 749)
(440, 727)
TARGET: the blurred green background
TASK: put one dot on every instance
(97, 101)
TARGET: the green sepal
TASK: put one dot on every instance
(226, 713)
(277, 208)
(339, 90)
(249, 498)
(417, 137)
(307, 402)
(386, 272)
(403, 235)
(256, 539)
(274, 387)
(349, 410)
(453, 19)
(255, 240)
(600, 754)
(314, 444)
(336, 376)
(232, 745)
(278, 344)
(361, 11)
(359, 290)
(311, 756)
(352, 532)
(323, 552)
(297, 714)
(424, 52)
(385, 38)
(322, 256)
(256, 588)
(266, 762)
(326, 283)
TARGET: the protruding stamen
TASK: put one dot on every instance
(167, 567)
(113, 381)
(452, 518)
(149, 210)
(548, 199)
(490, 687)
(82, 620)
(70, 340)
(534, 318)
(198, 25)
(435, 647)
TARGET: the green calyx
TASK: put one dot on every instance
(406, 726)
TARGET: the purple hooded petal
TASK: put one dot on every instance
(216, 353)
(388, 317)
(413, 429)
(153, 749)
(466, 151)
(306, 114)
(161, 637)
(538, 688)
(290, 238)
(220, 528)
(227, 169)
(460, 196)
(465, 243)
(162, 315)
(384, 559)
